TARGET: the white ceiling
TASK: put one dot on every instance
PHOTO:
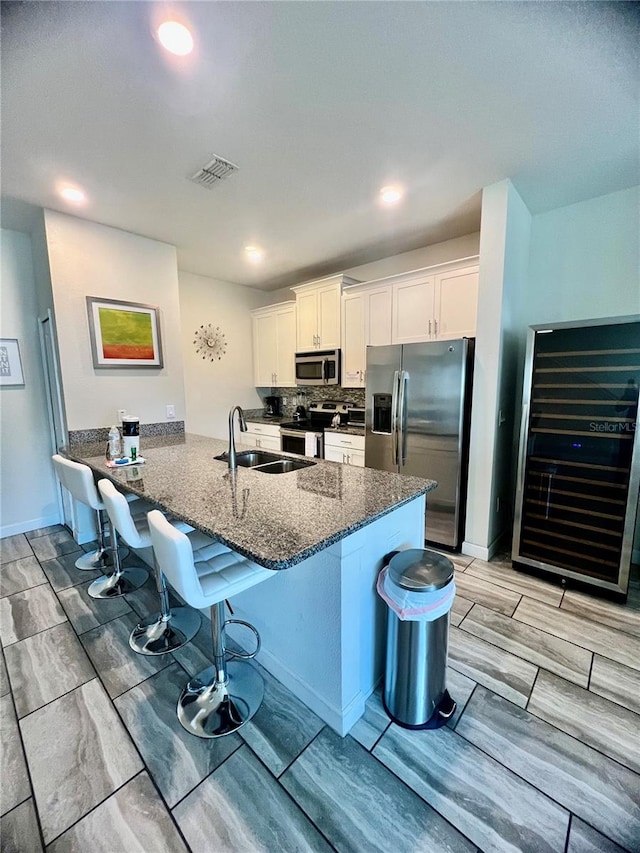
(320, 104)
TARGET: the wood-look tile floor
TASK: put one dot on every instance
(541, 755)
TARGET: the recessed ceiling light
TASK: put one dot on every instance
(73, 194)
(253, 253)
(391, 195)
(175, 38)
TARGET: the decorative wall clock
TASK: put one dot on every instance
(209, 342)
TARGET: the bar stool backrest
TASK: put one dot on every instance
(78, 480)
(120, 515)
(174, 556)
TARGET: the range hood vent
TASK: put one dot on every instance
(213, 172)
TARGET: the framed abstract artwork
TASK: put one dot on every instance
(10, 364)
(124, 334)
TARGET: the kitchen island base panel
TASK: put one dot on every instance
(322, 624)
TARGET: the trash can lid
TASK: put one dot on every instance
(420, 571)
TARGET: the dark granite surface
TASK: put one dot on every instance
(275, 520)
(259, 418)
(347, 430)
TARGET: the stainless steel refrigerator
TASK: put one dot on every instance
(418, 410)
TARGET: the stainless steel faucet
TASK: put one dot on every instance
(233, 463)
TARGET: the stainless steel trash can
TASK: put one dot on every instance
(419, 586)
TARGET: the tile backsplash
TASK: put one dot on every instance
(317, 393)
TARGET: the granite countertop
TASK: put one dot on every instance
(346, 430)
(275, 520)
(262, 419)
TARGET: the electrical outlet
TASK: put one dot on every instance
(171, 412)
(121, 414)
(285, 401)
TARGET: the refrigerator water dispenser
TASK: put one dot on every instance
(382, 413)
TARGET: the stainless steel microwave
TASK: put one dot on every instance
(320, 367)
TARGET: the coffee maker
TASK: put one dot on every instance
(272, 407)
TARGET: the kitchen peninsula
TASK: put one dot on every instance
(322, 624)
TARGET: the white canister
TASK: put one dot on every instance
(130, 434)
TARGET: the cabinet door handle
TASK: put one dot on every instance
(275, 378)
(435, 326)
(429, 328)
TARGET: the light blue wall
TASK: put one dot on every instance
(584, 260)
(28, 490)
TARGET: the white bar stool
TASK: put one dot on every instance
(94, 559)
(223, 697)
(78, 480)
(171, 628)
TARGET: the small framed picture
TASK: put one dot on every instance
(124, 334)
(10, 364)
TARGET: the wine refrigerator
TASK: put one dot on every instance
(579, 458)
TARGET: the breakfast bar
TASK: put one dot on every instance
(323, 530)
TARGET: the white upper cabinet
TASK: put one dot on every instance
(456, 303)
(318, 313)
(307, 322)
(437, 303)
(378, 313)
(274, 340)
(366, 321)
(354, 342)
(434, 304)
(412, 310)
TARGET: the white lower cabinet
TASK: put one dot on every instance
(264, 436)
(347, 449)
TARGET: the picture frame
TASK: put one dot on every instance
(10, 362)
(124, 334)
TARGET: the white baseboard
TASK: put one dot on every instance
(471, 550)
(31, 524)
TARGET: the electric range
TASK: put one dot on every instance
(306, 436)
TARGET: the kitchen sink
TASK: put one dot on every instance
(251, 458)
(283, 466)
(267, 463)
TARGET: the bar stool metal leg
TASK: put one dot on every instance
(99, 558)
(120, 581)
(223, 697)
(168, 630)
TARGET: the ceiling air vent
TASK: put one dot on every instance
(213, 172)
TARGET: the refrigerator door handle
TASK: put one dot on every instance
(394, 417)
(402, 415)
